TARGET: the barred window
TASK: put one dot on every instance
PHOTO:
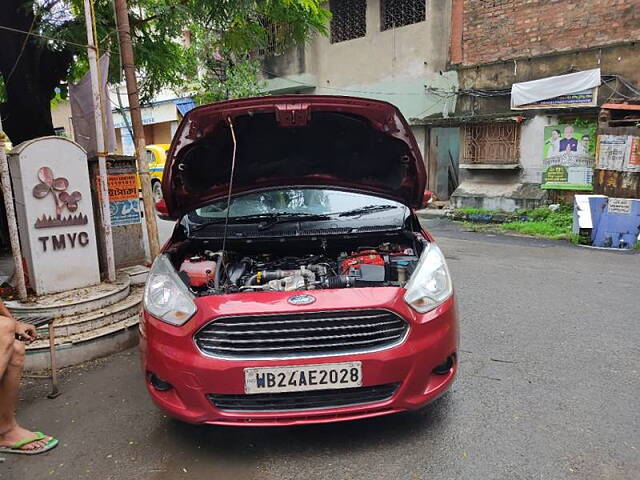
(397, 13)
(349, 19)
(277, 37)
(491, 143)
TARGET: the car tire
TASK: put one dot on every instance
(156, 191)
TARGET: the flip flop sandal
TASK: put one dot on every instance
(38, 436)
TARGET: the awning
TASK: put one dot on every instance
(184, 105)
(526, 93)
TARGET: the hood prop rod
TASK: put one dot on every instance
(226, 220)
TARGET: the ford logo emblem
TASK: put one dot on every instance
(301, 299)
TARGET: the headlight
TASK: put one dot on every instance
(430, 285)
(166, 297)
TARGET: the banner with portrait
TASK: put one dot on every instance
(569, 156)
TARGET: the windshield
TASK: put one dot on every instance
(310, 201)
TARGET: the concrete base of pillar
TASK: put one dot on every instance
(506, 197)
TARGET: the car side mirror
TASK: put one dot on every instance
(162, 210)
(427, 198)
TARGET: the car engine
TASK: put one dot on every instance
(210, 272)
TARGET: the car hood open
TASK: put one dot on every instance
(349, 143)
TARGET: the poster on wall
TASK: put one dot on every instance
(612, 152)
(586, 98)
(125, 212)
(569, 155)
(620, 153)
(632, 162)
(123, 199)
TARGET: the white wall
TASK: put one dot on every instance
(532, 145)
(394, 65)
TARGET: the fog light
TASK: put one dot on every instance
(445, 367)
(159, 384)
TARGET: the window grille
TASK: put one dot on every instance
(491, 143)
(398, 13)
(276, 39)
(349, 19)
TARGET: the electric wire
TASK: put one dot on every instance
(474, 92)
(48, 37)
(24, 44)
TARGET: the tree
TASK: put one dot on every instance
(31, 70)
(225, 34)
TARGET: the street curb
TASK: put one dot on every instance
(432, 213)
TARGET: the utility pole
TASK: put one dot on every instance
(100, 146)
(128, 65)
(12, 224)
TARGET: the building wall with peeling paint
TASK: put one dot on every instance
(396, 65)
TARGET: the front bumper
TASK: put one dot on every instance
(170, 353)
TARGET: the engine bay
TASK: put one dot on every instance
(209, 272)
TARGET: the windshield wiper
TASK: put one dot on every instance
(270, 219)
(366, 209)
(291, 217)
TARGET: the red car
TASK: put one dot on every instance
(298, 286)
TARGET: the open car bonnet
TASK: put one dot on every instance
(348, 143)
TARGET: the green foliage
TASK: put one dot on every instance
(466, 211)
(239, 80)
(543, 213)
(539, 222)
(241, 26)
(225, 41)
(232, 30)
(544, 223)
(539, 229)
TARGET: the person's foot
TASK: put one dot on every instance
(18, 434)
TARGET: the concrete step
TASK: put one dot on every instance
(83, 347)
(137, 273)
(96, 319)
(74, 302)
(64, 342)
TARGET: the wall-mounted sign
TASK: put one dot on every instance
(619, 205)
(123, 198)
(577, 89)
(55, 215)
(586, 98)
(633, 162)
(164, 111)
(569, 155)
(618, 152)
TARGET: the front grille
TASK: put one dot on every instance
(301, 334)
(274, 402)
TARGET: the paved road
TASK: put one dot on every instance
(548, 389)
(165, 228)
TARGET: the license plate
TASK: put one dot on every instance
(301, 378)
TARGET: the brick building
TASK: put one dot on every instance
(495, 30)
(497, 43)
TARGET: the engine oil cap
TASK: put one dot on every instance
(301, 299)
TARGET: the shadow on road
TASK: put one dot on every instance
(236, 450)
